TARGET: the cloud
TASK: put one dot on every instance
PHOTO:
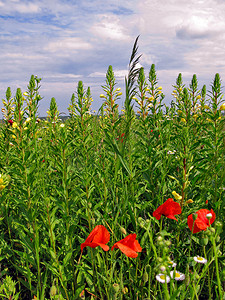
(67, 45)
(65, 41)
(198, 27)
(109, 27)
(22, 7)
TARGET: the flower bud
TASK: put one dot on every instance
(145, 277)
(116, 287)
(162, 268)
(189, 201)
(218, 226)
(123, 230)
(168, 243)
(53, 291)
(160, 238)
(212, 229)
(160, 260)
(209, 216)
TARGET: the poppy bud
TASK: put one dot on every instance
(116, 288)
(219, 226)
(145, 277)
(209, 216)
(141, 222)
(159, 259)
(53, 291)
(123, 230)
(212, 229)
(168, 243)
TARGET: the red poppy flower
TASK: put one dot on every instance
(168, 209)
(129, 245)
(10, 122)
(201, 223)
(98, 237)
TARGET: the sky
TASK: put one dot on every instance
(64, 41)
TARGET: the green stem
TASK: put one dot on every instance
(217, 269)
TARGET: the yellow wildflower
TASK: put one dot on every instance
(176, 195)
(183, 120)
(2, 187)
(222, 107)
(28, 120)
(189, 201)
(14, 125)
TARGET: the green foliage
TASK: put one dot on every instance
(59, 180)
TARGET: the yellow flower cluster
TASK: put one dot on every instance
(2, 186)
(4, 181)
(176, 196)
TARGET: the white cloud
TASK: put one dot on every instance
(97, 74)
(59, 39)
(19, 7)
(62, 76)
(67, 44)
(109, 27)
(200, 27)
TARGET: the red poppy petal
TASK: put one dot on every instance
(171, 208)
(92, 245)
(137, 246)
(104, 247)
(201, 224)
(168, 208)
(171, 217)
(92, 234)
(99, 235)
(102, 235)
(157, 214)
(202, 215)
(114, 246)
(190, 222)
(127, 250)
(213, 216)
(129, 240)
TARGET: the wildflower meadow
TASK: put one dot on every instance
(114, 204)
